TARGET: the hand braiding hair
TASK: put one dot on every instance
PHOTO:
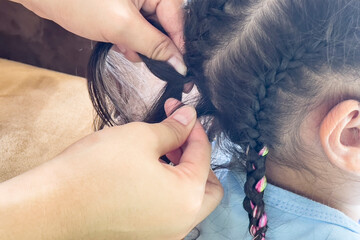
(248, 65)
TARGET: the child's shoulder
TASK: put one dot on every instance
(290, 216)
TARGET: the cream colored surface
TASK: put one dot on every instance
(41, 113)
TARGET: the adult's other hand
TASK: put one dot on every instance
(112, 185)
(121, 22)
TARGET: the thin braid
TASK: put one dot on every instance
(253, 202)
(254, 191)
(255, 178)
(257, 150)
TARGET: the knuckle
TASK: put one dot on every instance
(160, 48)
(118, 22)
(194, 201)
(125, 20)
(191, 192)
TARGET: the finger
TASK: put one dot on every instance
(171, 105)
(214, 192)
(170, 15)
(195, 161)
(197, 150)
(188, 87)
(173, 131)
(174, 156)
(128, 54)
(143, 38)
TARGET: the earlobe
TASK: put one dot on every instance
(340, 135)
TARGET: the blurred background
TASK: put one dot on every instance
(41, 112)
(27, 38)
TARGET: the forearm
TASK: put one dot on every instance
(37, 205)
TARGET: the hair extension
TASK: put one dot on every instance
(256, 65)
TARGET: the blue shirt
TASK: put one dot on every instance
(290, 216)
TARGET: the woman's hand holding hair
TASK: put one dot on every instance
(112, 185)
(121, 22)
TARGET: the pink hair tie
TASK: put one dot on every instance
(261, 185)
(252, 205)
(255, 212)
(264, 151)
(253, 230)
(253, 167)
(263, 220)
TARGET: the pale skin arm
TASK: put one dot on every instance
(111, 185)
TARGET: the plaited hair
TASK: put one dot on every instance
(259, 66)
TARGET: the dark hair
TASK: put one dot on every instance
(258, 66)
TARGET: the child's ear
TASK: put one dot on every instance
(340, 135)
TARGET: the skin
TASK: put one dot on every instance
(112, 185)
(120, 22)
(332, 135)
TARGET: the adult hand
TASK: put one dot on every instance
(112, 185)
(120, 22)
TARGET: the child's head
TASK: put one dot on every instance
(273, 71)
(276, 76)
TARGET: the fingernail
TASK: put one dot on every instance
(178, 65)
(184, 115)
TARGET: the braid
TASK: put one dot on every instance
(254, 191)
(257, 150)
(198, 42)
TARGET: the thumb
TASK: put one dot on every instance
(173, 131)
(144, 38)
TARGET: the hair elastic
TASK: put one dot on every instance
(263, 220)
(252, 205)
(255, 212)
(261, 185)
(263, 237)
(253, 167)
(253, 230)
(263, 151)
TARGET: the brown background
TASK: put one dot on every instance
(27, 38)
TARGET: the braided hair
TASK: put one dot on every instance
(257, 66)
